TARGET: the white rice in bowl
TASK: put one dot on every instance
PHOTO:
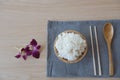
(70, 45)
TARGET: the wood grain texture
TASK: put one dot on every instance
(22, 20)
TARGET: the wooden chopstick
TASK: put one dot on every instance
(98, 52)
(93, 53)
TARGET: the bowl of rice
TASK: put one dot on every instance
(70, 46)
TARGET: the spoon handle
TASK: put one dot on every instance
(111, 68)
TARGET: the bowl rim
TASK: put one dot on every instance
(80, 57)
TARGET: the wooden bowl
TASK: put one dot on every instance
(80, 57)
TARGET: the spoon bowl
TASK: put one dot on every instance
(108, 32)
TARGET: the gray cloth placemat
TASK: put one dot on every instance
(84, 68)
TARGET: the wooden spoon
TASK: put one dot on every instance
(108, 34)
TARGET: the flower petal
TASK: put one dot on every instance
(18, 56)
(28, 51)
(36, 54)
(39, 46)
(24, 57)
(22, 49)
(33, 42)
(27, 48)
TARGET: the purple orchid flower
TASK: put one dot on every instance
(31, 49)
(22, 53)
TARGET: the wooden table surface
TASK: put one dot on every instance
(22, 20)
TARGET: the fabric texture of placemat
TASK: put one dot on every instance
(84, 68)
